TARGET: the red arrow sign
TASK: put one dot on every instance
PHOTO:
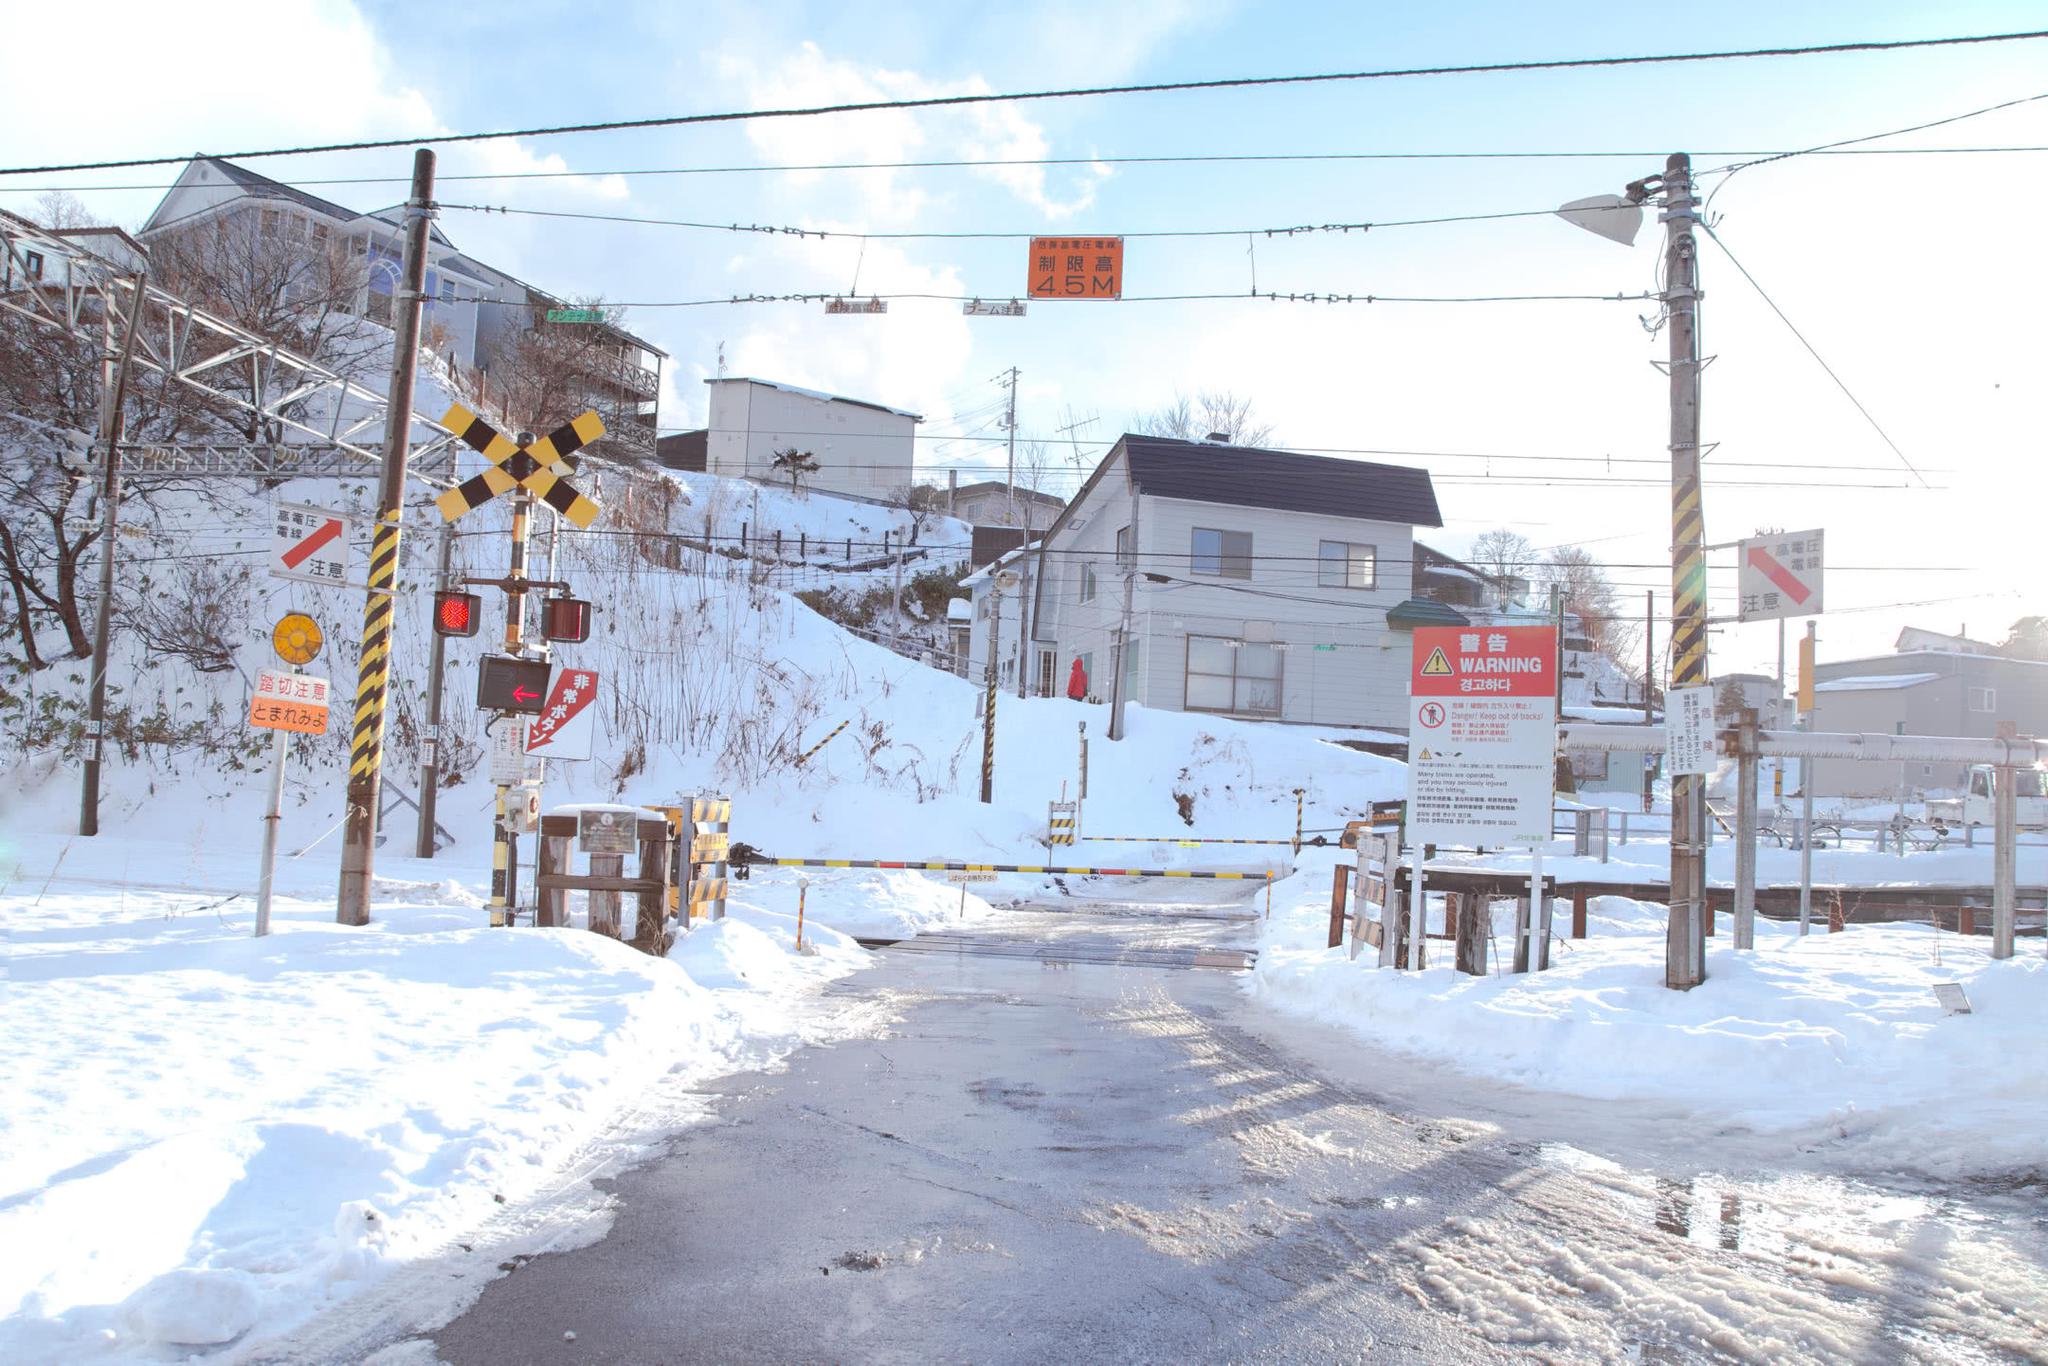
(1788, 583)
(520, 694)
(303, 551)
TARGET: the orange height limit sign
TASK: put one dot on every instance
(1077, 268)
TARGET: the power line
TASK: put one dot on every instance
(1839, 383)
(1198, 158)
(1269, 295)
(1149, 88)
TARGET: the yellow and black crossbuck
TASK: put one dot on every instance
(540, 468)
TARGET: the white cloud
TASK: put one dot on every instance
(973, 132)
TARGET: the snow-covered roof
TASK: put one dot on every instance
(980, 577)
(818, 394)
(1874, 682)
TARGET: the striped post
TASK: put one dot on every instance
(1685, 948)
(1297, 817)
(933, 866)
(373, 675)
(988, 715)
(804, 758)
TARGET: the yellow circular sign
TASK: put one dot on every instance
(296, 638)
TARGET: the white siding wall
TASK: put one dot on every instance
(1076, 627)
(1361, 682)
(859, 450)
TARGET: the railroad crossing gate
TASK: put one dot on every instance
(542, 469)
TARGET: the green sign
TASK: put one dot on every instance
(575, 315)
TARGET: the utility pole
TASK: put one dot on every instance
(1010, 421)
(1649, 688)
(1805, 784)
(1685, 943)
(1123, 634)
(1745, 827)
(988, 702)
(113, 400)
(430, 756)
(896, 602)
(366, 746)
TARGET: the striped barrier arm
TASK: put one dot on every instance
(805, 756)
(1177, 839)
(916, 865)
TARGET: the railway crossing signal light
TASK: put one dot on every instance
(565, 621)
(457, 613)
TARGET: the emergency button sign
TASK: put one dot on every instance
(1482, 733)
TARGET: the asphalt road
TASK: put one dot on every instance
(1054, 1156)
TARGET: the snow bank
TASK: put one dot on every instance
(210, 1134)
(1831, 1040)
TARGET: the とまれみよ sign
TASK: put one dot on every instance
(1482, 734)
(289, 701)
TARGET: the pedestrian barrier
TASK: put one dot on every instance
(1060, 820)
(936, 866)
(707, 859)
(605, 836)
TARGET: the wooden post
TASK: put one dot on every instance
(1473, 923)
(650, 917)
(1340, 883)
(1521, 959)
(1579, 898)
(554, 858)
(604, 906)
(1966, 920)
(1394, 925)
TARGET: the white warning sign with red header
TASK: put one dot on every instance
(1482, 735)
(567, 724)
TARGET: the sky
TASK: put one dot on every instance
(1909, 274)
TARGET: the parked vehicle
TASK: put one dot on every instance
(1974, 806)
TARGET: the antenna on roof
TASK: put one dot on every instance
(721, 360)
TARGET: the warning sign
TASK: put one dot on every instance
(567, 724)
(1779, 576)
(1077, 268)
(289, 701)
(1482, 735)
(308, 543)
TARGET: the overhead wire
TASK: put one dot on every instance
(1073, 92)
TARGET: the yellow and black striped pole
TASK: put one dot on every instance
(1685, 945)
(373, 670)
(988, 714)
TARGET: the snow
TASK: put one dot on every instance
(212, 1136)
(1832, 1041)
(1874, 682)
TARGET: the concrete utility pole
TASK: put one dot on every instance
(430, 756)
(366, 746)
(113, 400)
(988, 701)
(1685, 944)
(1805, 709)
(1010, 421)
(1745, 828)
(1123, 634)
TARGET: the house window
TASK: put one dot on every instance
(1345, 564)
(1983, 699)
(1225, 553)
(1087, 582)
(270, 222)
(320, 231)
(1048, 663)
(1225, 675)
(1125, 558)
(32, 264)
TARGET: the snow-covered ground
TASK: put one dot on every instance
(1834, 1041)
(210, 1136)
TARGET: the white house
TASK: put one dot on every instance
(1263, 584)
(994, 503)
(863, 449)
(1011, 629)
(473, 311)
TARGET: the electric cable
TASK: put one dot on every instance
(1147, 88)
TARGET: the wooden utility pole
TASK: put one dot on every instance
(113, 400)
(366, 743)
(1685, 944)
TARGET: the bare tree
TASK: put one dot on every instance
(1210, 412)
(550, 372)
(1507, 555)
(1589, 596)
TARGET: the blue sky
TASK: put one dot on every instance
(1908, 273)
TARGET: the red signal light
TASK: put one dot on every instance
(566, 620)
(456, 614)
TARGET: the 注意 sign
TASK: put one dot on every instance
(1077, 268)
(1482, 735)
(289, 701)
(1779, 576)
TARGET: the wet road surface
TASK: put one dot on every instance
(1074, 1144)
